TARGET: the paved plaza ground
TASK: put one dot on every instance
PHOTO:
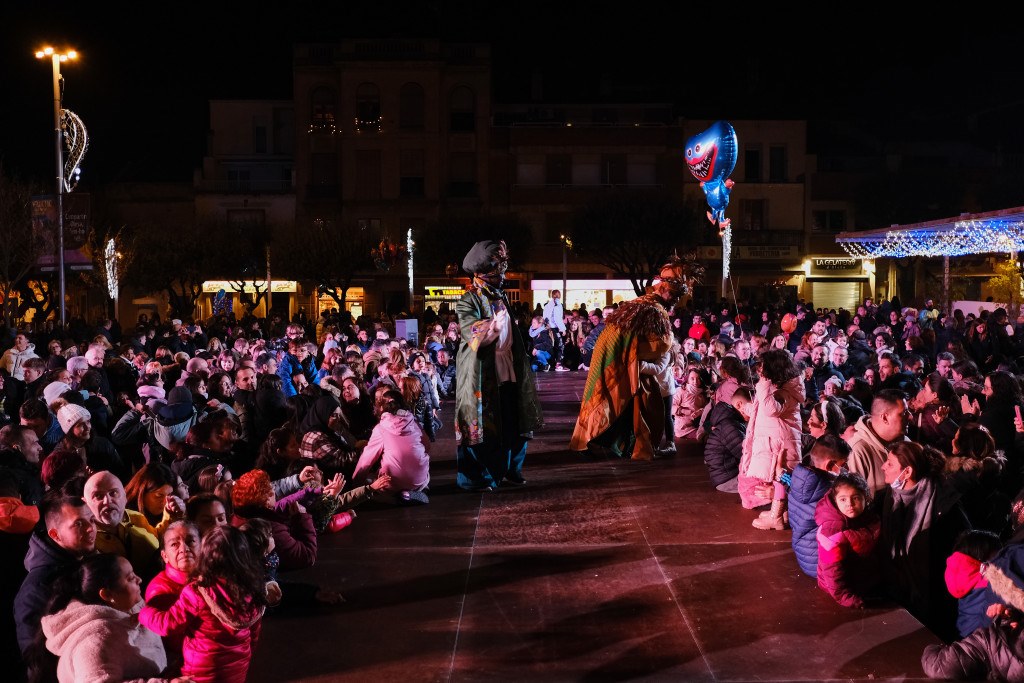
(597, 570)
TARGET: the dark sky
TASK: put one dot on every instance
(148, 70)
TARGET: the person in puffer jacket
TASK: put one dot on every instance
(397, 446)
(847, 535)
(994, 653)
(965, 582)
(811, 480)
(219, 613)
(726, 426)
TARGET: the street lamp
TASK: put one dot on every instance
(566, 241)
(55, 59)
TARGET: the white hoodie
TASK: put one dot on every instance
(101, 643)
(14, 360)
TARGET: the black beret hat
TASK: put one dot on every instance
(483, 257)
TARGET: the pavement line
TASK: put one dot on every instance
(465, 590)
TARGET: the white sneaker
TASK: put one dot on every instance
(559, 368)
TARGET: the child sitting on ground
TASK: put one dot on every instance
(810, 481)
(727, 427)
(964, 580)
(847, 535)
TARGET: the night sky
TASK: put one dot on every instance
(148, 70)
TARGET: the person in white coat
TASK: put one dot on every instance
(554, 316)
(14, 358)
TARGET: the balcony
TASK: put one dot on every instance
(245, 187)
(463, 190)
(323, 191)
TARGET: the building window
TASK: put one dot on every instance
(259, 136)
(777, 172)
(367, 174)
(558, 169)
(642, 171)
(586, 170)
(239, 180)
(753, 214)
(411, 107)
(828, 221)
(369, 227)
(324, 169)
(530, 173)
(324, 108)
(411, 173)
(283, 140)
(368, 108)
(613, 169)
(463, 176)
(752, 164)
(462, 110)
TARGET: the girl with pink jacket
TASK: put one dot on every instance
(219, 612)
(772, 443)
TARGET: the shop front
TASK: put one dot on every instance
(355, 301)
(230, 296)
(589, 293)
(838, 281)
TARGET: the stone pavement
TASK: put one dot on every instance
(597, 570)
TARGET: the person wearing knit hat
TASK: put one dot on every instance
(70, 415)
(493, 379)
(54, 390)
(100, 453)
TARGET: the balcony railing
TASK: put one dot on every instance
(246, 187)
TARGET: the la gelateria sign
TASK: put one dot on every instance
(835, 265)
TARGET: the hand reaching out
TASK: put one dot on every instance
(940, 414)
(310, 475)
(382, 482)
(335, 485)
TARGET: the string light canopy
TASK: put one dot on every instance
(983, 233)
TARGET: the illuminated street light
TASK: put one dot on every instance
(55, 59)
(566, 241)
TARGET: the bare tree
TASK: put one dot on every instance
(18, 248)
(330, 253)
(633, 234)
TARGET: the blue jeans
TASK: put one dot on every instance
(489, 462)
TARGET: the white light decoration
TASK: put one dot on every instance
(76, 140)
(965, 237)
(409, 244)
(726, 250)
(110, 259)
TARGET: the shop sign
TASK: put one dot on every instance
(214, 286)
(835, 265)
(437, 292)
(767, 252)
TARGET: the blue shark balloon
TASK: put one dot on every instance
(711, 158)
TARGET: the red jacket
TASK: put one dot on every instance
(845, 552)
(162, 592)
(219, 636)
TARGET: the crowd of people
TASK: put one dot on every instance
(159, 483)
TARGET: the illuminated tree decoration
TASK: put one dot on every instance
(388, 254)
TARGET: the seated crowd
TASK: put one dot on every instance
(157, 491)
(158, 487)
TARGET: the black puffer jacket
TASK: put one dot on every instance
(724, 446)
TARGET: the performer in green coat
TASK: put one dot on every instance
(496, 406)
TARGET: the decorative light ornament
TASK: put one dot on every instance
(76, 140)
(726, 232)
(110, 260)
(965, 237)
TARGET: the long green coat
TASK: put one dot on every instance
(477, 408)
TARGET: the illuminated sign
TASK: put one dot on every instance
(835, 263)
(435, 292)
(767, 252)
(214, 286)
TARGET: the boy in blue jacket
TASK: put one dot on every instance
(811, 480)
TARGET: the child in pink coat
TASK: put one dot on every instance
(772, 445)
(219, 612)
(398, 447)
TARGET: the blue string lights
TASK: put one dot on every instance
(965, 237)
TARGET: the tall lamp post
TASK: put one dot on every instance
(566, 241)
(55, 59)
